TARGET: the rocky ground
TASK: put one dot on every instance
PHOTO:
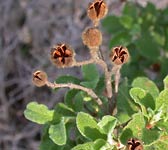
(28, 28)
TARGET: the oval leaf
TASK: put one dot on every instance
(147, 85)
(90, 75)
(108, 124)
(86, 146)
(57, 133)
(142, 98)
(165, 81)
(88, 127)
(38, 113)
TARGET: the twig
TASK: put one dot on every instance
(102, 63)
(75, 86)
(107, 76)
(81, 63)
(95, 59)
(113, 101)
(116, 72)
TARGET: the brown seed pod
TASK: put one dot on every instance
(97, 10)
(134, 144)
(39, 78)
(62, 55)
(119, 55)
(92, 37)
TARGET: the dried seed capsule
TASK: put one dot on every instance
(134, 144)
(97, 10)
(119, 55)
(62, 55)
(92, 37)
(39, 78)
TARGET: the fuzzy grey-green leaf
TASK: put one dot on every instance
(88, 127)
(57, 133)
(147, 85)
(38, 113)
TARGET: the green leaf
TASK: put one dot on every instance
(108, 124)
(163, 125)
(69, 97)
(150, 136)
(88, 127)
(148, 47)
(134, 128)
(162, 99)
(46, 142)
(38, 113)
(166, 37)
(165, 81)
(159, 144)
(78, 102)
(100, 85)
(121, 38)
(160, 39)
(163, 18)
(57, 133)
(147, 85)
(67, 79)
(124, 99)
(85, 146)
(135, 31)
(64, 110)
(142, 98)
(90, 75)
(99, 144)
(112, 24)
(130, 10)
(126, 21)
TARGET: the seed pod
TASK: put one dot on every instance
(134, 144)
(119, 55)
(62, 55)
(97, 10)
(39, 78)
(92, 37)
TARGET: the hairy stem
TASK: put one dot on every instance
(75, 86)
(116, 72)
(81, 63)
(113, 101)
(102, 63)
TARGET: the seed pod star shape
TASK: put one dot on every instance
(39, 78)
(119, 55)
(97, 10)
(134, 144)
(62, 55)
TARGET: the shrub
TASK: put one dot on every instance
(93, 116)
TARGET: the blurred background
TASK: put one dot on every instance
(28, 29)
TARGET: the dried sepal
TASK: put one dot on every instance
(134, 144)
(62, 55)
(119, 55)
(39, 78)
(92, 37)
(97, 10)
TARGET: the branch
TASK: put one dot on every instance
(102, 63)
(116, 72)
(81, 63)
(107, 76)
(75, 86)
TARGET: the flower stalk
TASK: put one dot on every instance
(75, 86)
